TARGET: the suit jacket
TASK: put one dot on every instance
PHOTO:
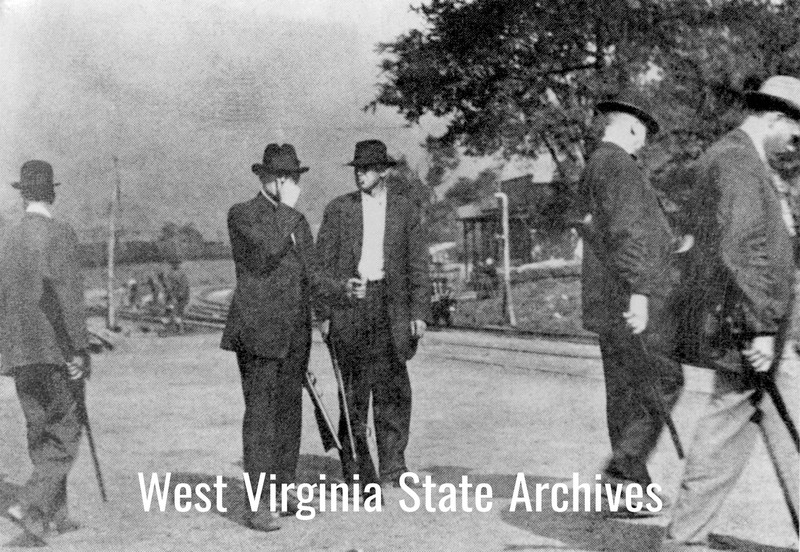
(42, 319)
(628, 244)
(274, 278)
(740, 274)
(405, 265)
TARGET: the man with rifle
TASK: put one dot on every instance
(741, 283)
(43, 343)
(626, 278)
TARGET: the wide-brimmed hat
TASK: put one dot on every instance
(35, 174)
(778, 93)
(371, 153)
(278, 160)
(630, 101)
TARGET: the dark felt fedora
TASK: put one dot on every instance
(778, 93)
(35, 174)
(631, 102)
(371, 153)
(279, 160)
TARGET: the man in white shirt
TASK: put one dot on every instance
(371, 246)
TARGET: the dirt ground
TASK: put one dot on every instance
(174, 405)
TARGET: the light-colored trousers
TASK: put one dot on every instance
(723, 442)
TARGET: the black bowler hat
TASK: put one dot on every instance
(372, 153)
(279, 160)
(631, 102)
(778, 93)
(35, 174)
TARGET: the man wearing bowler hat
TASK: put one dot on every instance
(43, 343)
(372, 247)
(626, 279)
(269, 322)
(743, 263)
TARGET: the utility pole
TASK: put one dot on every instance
(508, 301)
(112, 241)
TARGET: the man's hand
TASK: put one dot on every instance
(325, 329)
(761, 352)
(418, 328)
(636, 317)
(78, 367)
(356, 288)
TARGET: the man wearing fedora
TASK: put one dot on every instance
(43, 343)
(625, 279)
(269, 321)
(744, 232)
(371, 245)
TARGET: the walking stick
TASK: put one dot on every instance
(345, 408)
(78, 388)
(658, 400)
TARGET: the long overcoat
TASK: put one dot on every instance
(628, 242)
(740, 275)
(405, 264)
(42, 317)
(273, 251)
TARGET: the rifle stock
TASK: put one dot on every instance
(324, 423)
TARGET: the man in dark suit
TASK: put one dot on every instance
(372, 247)
(626, 279)
(269, 321)
(43, 343)
(743, 267)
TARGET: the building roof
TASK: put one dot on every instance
(522, 192)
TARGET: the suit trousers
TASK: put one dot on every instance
(53, 437)
(636, 379)
(370, 368)
(273, 407)
(723, 442)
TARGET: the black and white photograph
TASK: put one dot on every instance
(400, 275)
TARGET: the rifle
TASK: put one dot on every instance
(343, 396)
(324, 424)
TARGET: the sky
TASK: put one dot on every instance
(186, 95)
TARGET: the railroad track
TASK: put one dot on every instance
(211, 314)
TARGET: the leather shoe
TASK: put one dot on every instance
(263, 521)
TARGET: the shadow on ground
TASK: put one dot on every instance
(574, 530)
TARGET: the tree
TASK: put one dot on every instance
(523, 76)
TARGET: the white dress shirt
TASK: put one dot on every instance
(373, 209)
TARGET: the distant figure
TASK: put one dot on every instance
(163, 288)
(43, 340)
(178, 293)
(133, 293)
(152, 285)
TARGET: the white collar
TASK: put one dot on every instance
(39, 208)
